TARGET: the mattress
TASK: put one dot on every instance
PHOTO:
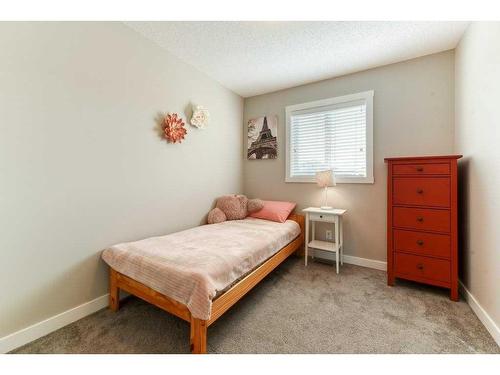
(195, 265)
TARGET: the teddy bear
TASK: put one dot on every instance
(233, 207)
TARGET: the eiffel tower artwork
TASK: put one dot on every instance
(262, 143)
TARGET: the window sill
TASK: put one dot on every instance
(338, 180)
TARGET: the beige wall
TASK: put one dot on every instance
(81, 162)
(477, 137)
(413, 115)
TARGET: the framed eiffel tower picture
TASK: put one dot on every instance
(262, 138)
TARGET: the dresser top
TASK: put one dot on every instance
(435, 157)
(318, 210)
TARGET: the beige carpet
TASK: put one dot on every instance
(294, 310)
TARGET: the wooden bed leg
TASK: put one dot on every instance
(114, 291)
(198, 336)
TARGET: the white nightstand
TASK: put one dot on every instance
(334, 216)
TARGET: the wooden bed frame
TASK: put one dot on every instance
(220, 305)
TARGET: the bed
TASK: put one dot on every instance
(199, 273)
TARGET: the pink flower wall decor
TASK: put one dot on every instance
(174, 128)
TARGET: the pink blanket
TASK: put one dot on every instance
(192, 266)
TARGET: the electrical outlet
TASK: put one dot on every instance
(329, 235)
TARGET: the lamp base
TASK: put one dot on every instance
(326, 208)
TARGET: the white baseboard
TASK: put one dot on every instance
(350, 259)
(481, 313)
(365, 262)
(31, 333)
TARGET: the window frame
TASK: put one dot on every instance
(365, 95)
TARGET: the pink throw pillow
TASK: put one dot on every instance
(274, 211)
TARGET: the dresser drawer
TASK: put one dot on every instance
(422, 191)
(421, 218)
(422, 243)
(322, 217)
(421, 169)
(417, 267)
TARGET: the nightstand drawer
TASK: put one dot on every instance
(322, 217)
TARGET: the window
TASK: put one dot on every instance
(334, 133)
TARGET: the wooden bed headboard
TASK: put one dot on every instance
(299, 219)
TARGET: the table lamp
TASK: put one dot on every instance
(325, 179)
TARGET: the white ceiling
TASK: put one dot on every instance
(253, 58)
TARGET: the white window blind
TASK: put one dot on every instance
(332, 136)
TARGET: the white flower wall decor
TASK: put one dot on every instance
(200, 117)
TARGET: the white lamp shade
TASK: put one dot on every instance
(325, 178)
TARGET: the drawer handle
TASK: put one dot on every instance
(420, 219)
(420, 191)
(420, 169)
(321, 216)
(420, 266)
(420, 242)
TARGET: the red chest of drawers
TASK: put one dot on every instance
(422, 221)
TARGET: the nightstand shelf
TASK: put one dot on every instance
(333, 216)
(323, 245)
